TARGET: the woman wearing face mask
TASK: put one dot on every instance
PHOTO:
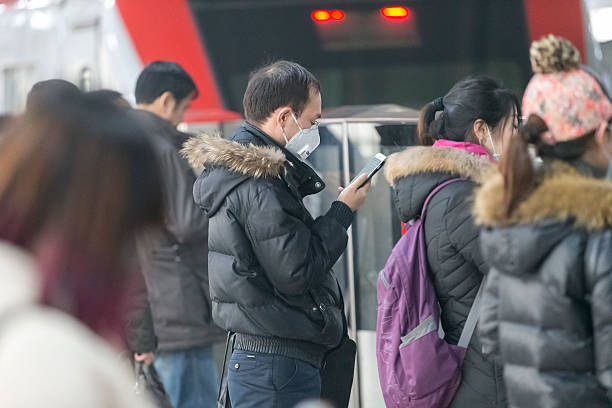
(548, 239)
(466, 127)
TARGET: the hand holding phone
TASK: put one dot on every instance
(371, 168)
(354, 195)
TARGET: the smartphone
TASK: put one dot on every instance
(371, 168)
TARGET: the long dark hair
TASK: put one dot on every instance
(517, 167)
(77, 181)
(472, 98)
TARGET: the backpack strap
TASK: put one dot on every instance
(434, 192)
(472, 319)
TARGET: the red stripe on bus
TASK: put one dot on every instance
(165, 30)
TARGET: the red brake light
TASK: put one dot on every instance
(337, 15)
(321, 15)
(395, 12)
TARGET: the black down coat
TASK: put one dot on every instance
(455, 263)
(269, 261)
(548, 299)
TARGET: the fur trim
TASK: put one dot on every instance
(423, 159)
(254, 161)
(564, 195)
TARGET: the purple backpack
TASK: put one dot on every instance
(417, 368)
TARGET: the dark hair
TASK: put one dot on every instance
(164, 76)
(472, 98)
(279, 84)
(110, 96)
(46, 94)
(517, 167)
(77, 181)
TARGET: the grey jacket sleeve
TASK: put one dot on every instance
(488, 321)
(599, 281)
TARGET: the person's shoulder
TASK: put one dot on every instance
(459, 190)
(49, 357)
(257, 187)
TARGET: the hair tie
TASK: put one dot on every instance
(438, 104)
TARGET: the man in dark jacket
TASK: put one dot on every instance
(271, 280)
(174, 258)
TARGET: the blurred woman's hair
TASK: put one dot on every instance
(77, 181)
(51, 92)
(111, 96)
(472, 98)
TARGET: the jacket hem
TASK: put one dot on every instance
(300, 350)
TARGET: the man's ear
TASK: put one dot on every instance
(167, 103)
(282, 115)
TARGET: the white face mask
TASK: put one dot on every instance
(496, 155)
(303, 143)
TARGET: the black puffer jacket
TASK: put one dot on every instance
(453, 252)
(270, 262)
(549, 295)
(176, 309)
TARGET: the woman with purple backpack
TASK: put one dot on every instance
(467, 128)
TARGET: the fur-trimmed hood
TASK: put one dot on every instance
(416, 171)
(248, 156)
(562, 195)
(421, 159)
(253, 161)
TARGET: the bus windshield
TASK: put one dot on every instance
(361, 55)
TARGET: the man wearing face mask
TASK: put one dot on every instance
(270, 262)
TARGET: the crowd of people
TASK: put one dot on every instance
(130, 247)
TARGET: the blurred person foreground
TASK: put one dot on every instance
(77, 180)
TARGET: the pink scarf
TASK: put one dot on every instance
(468, 147)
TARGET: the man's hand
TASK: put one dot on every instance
(147, 358)
(353, 196)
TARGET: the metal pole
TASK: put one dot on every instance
(350, 253)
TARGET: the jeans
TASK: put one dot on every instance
(270, 381)
(189, 376)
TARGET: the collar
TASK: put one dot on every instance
(468, 147)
